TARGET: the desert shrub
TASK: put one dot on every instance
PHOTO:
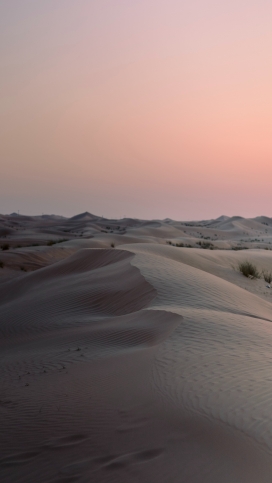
(112, 245)
(23, 269)
(179, 244)
(248, 270)
(169, 242)
(239, 248)
(51, 242)
(267, 276)
(61, 240)
(5, 246)
(206, 245)
(2, 264)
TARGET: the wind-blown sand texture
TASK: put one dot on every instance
(143, 362)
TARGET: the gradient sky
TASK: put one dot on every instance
(143, 108)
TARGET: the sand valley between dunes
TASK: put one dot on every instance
(135, 351)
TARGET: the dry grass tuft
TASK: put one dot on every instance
(248, 270)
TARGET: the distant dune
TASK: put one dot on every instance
(84, 217)
(135, 350)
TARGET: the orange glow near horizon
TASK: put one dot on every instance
(149, 109)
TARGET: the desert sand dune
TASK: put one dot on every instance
(125, 359)
(223, 320)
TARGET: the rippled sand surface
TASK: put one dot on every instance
(142, 362)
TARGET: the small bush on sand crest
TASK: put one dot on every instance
(248, 270)
(1, 264)
(112, 245)
(5, 246)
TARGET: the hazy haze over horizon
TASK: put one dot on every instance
(144, 109)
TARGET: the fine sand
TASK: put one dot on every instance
(126, 358)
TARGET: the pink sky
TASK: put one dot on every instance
(142, 108)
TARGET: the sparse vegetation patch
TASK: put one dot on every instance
(206, 245)
(179, 244)
(248, 270)
(267, 276)
(53, 242)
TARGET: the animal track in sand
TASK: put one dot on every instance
(131, 458)
(65, 441)
(75, 469)
(110, 462)
(18, 458)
